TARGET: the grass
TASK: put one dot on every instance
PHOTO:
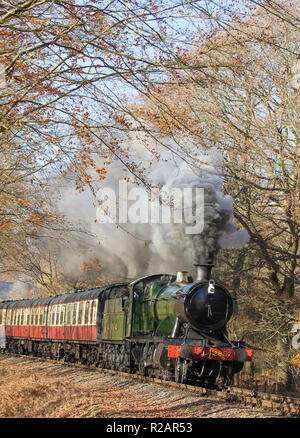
(27, 394)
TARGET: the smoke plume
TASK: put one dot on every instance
(131, 250)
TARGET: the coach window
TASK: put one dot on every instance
(93, 312)
(68, 318)
(0, 316)
(74, 313)
(86, 315)
(22, 317)
(62, 314)
(52, 315)
(80, 313)
(55, 314)
(83, 312)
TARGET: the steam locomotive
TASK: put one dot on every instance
(163, 326)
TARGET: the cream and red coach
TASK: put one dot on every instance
(68, 317)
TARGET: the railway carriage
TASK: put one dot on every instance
(25, 318)
(162, 325)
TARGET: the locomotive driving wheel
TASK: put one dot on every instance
(177, 375)
(143, 370)
(112, 358)
(181, 368)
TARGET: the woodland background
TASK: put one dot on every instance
(77, 78)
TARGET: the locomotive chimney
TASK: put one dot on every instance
(204, 267)
(203, 272)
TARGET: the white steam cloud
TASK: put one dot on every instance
(131, 250)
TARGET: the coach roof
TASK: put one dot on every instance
(84, 294)
(65, 298)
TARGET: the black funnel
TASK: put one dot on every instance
(204, 267)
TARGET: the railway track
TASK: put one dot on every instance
(278, 404)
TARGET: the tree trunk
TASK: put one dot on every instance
(284, 374)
